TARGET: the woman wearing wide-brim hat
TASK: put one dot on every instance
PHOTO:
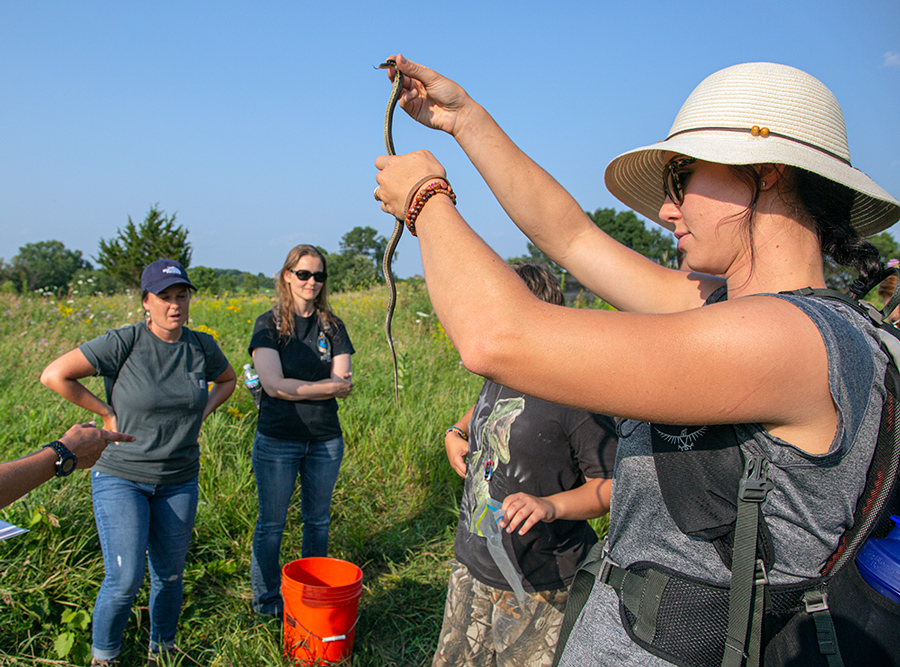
(756, 182)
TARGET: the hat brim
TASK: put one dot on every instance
(635, 177)
(166, 283)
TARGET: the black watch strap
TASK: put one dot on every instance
(66, 461)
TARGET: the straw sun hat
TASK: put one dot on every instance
(756, 113)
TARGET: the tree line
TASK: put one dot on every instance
(49, 268)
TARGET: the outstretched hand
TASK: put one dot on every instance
(87, 442)
(436, 102)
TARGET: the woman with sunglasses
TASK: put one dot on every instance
(754, 179)
(301, 351)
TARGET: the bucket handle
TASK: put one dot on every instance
(334, 638)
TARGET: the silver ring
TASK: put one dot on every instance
(375, 194)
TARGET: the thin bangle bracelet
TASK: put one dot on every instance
(456, 429)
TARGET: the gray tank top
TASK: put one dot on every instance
(811, 505)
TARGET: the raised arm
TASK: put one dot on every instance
(751, 360)
(540, 206)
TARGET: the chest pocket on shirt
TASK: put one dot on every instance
(198, 390)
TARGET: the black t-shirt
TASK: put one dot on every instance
(539, 448)
(306, 356)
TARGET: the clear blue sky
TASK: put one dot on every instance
(259, 122)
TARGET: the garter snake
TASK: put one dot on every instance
(398, 222)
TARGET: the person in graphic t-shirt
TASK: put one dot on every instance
(551, 467)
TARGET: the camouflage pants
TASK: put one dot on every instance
(486, 627)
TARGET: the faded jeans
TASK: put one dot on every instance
(140, 523)
(276, 464)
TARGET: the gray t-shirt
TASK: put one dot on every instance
(159, 397)
(810, 507)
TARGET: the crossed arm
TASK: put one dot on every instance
(271, 376)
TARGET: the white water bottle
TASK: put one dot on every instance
(251, 379)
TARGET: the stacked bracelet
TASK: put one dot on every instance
(462, 434)
(440, 186)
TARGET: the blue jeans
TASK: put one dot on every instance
(276, 464)
(137, 523)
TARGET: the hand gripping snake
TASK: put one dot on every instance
(398, 222)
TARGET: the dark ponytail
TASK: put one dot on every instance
(828, 205)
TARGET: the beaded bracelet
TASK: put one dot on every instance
(462, 434)
(438, 187)
(415, 189)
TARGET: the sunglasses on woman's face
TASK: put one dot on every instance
(674, 179)
(304, 275)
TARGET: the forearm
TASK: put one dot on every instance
(290, 389)
(76, 393)
(549, 216)
(587, 501)
(23, 475)
(532, 198)
(218, 395)
(491, 294)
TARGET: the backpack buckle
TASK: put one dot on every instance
(755, 483)
(606, 568)
(760, 576)
(815, 601)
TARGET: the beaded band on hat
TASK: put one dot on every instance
(763, 132)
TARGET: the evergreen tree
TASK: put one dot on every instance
(134, 247)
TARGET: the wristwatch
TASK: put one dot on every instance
(67, 460)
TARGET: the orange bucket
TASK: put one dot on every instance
(321, 599)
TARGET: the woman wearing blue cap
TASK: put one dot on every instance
(145, 492)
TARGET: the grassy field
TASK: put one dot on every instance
(394, 511)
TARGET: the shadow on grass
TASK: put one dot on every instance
(388, 636)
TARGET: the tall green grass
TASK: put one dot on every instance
(394, 510)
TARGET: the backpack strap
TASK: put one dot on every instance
(748, 573)
(579, 592)
(109, 381)
(816, 602)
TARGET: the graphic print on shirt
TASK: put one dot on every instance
(323, 345)
(491, 433)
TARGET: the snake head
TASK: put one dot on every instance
(388, 63)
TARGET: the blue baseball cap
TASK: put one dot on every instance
(164, 273)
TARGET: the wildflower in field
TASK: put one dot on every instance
(206, 329)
